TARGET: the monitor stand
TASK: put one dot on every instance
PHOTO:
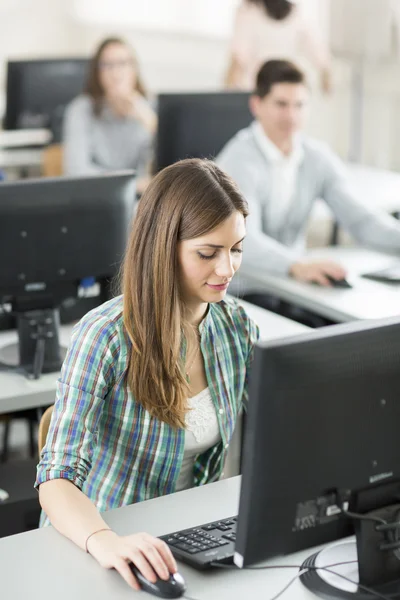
(38, 349)
(327, 585)
(371, 559)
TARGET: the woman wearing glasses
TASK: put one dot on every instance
(112, 125)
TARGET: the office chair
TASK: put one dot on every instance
(44, 427)
(52, 161)
(31, 418)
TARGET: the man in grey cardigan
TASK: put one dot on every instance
(282, 173)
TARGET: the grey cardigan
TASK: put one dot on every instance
(321, 175)
(96, 144)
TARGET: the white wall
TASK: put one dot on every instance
(179, 59)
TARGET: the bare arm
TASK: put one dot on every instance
(241, 52)
(69, 510)
(66, 459)
(233, 74)
(76, 517)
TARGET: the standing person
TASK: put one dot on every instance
(112, 125)
(154, 380)
(269, 29)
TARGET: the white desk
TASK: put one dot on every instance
(19, 393)
(272, 326)
(21, 138)
(15, 152)
(42, 564)
(366, 300)
(20, 158)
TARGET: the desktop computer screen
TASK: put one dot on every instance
(198, 125)
(322, 449)
(54, 233)
(39, 90)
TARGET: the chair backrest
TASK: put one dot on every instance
(52, 161)
(44, 427)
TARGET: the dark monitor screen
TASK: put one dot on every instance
(322, 434)
(55, 232)
(198, 125)
(39, 90)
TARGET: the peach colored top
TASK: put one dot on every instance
(258, 38)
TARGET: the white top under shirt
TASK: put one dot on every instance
(202, 432)
(284, 171)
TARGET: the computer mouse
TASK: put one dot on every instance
(338, 283)
(174, 587)
(3, 495)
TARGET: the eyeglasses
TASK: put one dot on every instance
(115, 64)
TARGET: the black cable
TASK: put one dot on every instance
(382, 525)
(361, 517)
(327, 568)
(38, 358)
(362, 587)
(263, 567)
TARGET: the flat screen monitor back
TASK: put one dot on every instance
(57, 230)
(54, 233)
(39, 90)
(322, 430)
(198, 125)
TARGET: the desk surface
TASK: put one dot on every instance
(42, 564)
(367, 299)
(20, 138)
(19, 393)
(20, 157)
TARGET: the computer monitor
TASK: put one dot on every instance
(322, 438)
(39, 90)
(198, 125)
(54, 233)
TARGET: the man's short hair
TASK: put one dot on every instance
(277, 71)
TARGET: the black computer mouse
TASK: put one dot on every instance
(174, 587)
(338, 283)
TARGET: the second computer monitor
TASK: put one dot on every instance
(55, 235)
(198, 125)
(322, 437)
(39, 90)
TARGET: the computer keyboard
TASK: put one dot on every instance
(206, 544)
(390, 274)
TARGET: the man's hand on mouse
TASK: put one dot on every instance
(317, 272)
(150, 555)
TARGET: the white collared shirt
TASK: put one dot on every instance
(284, 172)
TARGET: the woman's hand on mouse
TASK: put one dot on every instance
(149, 554)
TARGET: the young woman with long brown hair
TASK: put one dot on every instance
(154, 379)
(112, 125)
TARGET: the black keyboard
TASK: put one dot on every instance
(206, 544)
(390, 274)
